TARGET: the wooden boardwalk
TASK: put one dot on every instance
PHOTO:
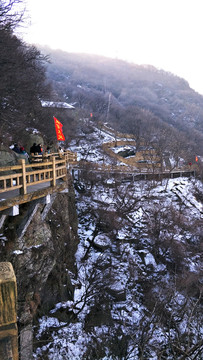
(84, 168)
(27, 182)
(14, 198)
(48, 174)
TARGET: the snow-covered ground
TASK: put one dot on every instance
(139, 242)
(139, 282)
(89, 146)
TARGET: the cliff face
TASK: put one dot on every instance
(41, 243)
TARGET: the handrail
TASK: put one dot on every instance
(85, 165)
(25, 175)
(70, 157)
(51, 167)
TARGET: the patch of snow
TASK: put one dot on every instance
(149, 260)
(33, 130)
(56, 104)
(17, 252)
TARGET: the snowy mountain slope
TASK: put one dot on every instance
(88, 145)
(139, 285)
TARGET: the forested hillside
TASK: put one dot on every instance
(135, 99)
(141, 100)
(22, 81)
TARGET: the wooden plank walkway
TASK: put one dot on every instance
(16, 192)
(23, 183)
(135, 174)
(13, 198)
(26, 182)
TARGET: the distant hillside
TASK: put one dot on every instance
(151, 105)
(110, 87)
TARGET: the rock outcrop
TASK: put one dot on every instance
(7, 157)
(43, 255)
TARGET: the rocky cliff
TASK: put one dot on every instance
(40, 243)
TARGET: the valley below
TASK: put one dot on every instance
(138, 284)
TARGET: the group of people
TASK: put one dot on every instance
(33, 150)
(20, 150)
(36, 149)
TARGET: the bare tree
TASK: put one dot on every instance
(11, 13)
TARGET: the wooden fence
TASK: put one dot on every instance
(69, 156)
(85, 165)
(24, 175)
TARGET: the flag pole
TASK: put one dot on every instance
(57, 143)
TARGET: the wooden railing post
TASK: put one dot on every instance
(54, 171)
(23, 190)
(8, 317)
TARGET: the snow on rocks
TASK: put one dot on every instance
(127, 264)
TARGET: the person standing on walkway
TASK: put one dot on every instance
(33, 149)
(39, 149)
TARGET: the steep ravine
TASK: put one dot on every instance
(41, 243)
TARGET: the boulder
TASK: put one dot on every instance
(31, 139)
(7, 157)
(117, 291)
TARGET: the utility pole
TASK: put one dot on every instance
(108, 108)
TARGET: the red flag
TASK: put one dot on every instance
(196, 158)
(59, 132)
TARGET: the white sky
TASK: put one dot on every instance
(164, 33)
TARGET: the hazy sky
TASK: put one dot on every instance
(164, 33)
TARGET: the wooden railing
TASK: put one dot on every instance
(130, 169)
(69, 156)
(24, 175)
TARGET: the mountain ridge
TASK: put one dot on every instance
(88, 81)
